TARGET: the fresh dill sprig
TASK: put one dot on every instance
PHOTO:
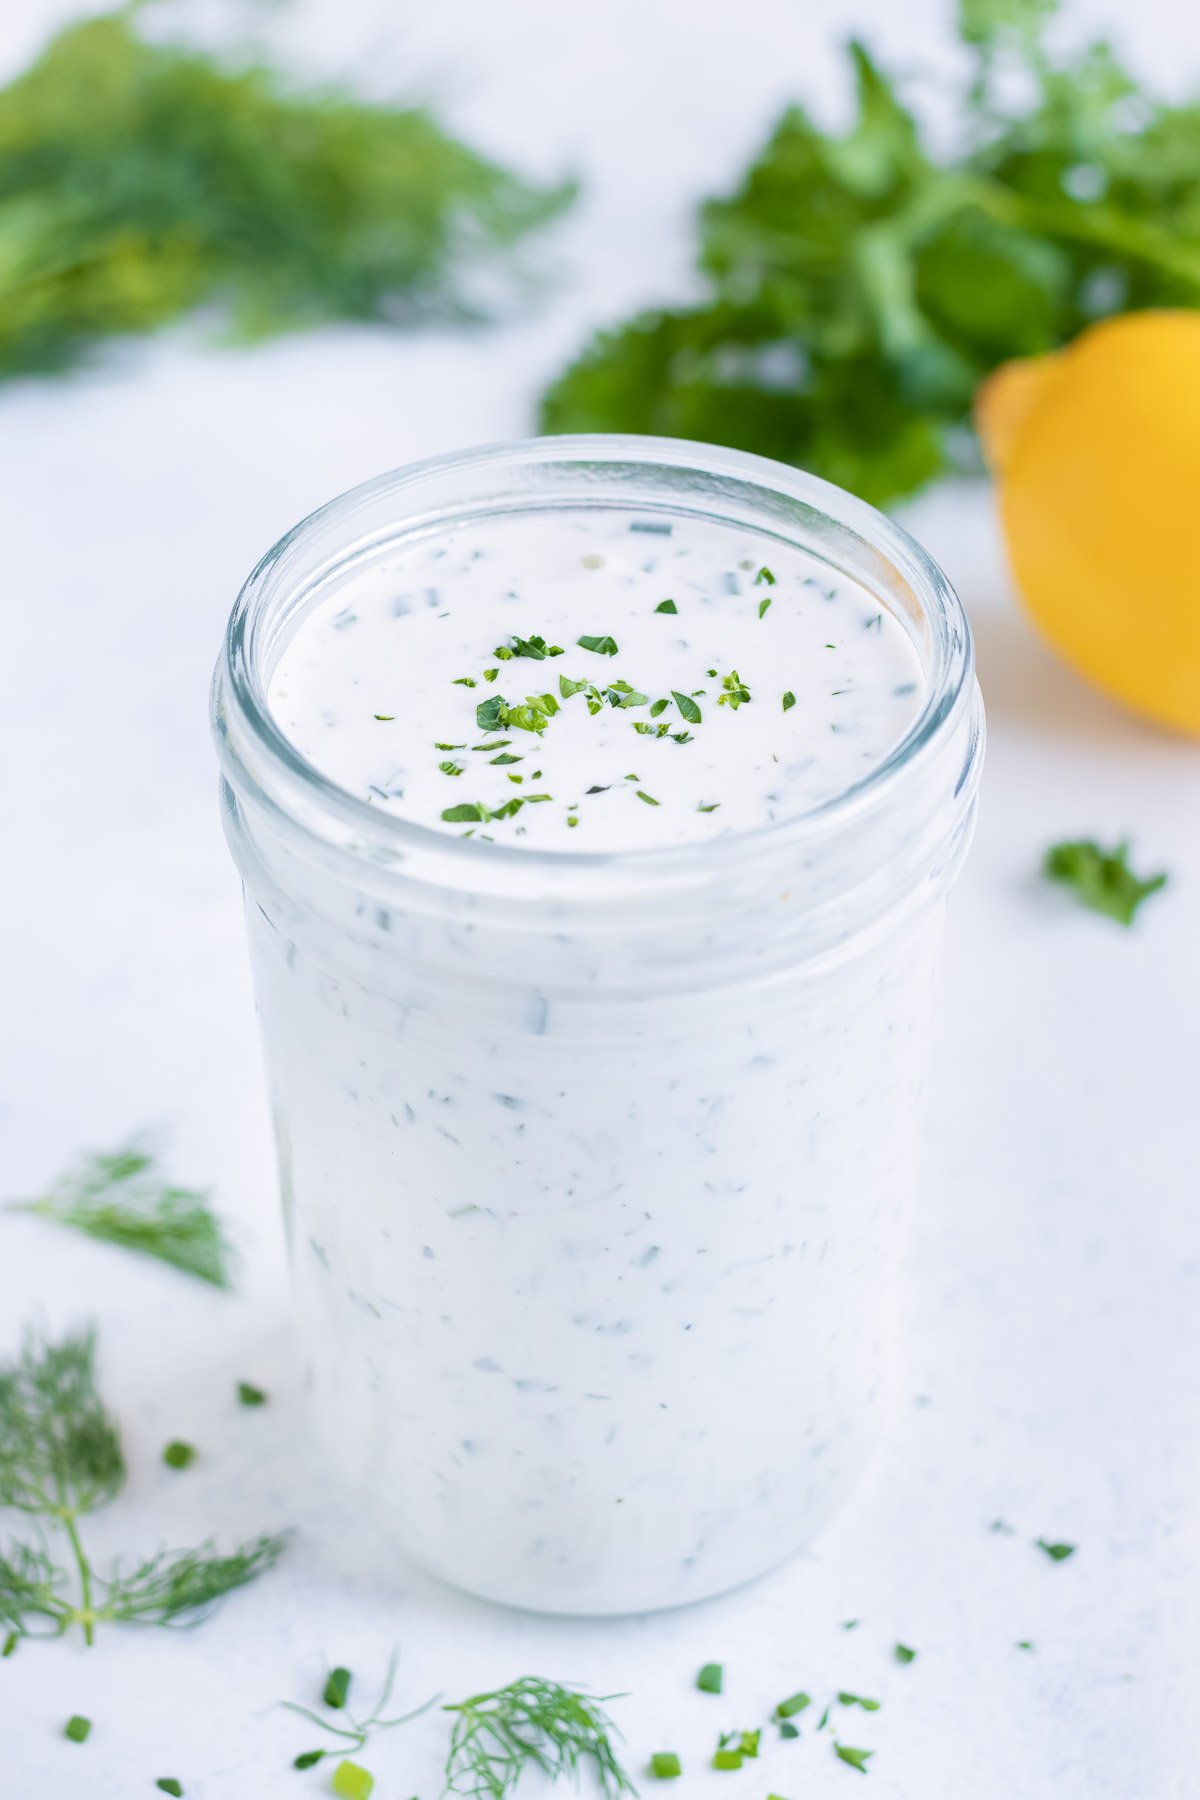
(351, 1731)
(61, 1459)
(530, 1723)
(121, 1197)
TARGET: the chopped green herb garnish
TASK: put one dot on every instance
(451, 768)
(603, 646)
(851, 1624)
(735, 694)
(665, 1765)
(687, 707)
(465, 681)
(666, 606)
(727, 1759)
(648, 798)
(1101, 879)
(711, 806)
(77, 1728)
(858, 1759)
(795, 1703)
(178, 1455)
(452, 746)
(762, 607)
(711, 1678)
(567, 687)
(249, 1395)
(903, 1654)
(490, 674)
(1024, 1644)
(120, 1197)
(535, 1723)
(620, 693)
(168, 1785)
(534, 647)
(60, 1459)
(337, 1686)
(490, 714)
(789, 700)
(386, 719)
(764, 575)
(468, 811)
(352, 1782)
(504, 758)
(846, 1699)
(1056, 1552)
(308, 1759)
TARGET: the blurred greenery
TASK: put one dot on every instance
(140, 179)
(860, 287)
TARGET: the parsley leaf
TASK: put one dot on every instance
(603, 646)
(1101, 879)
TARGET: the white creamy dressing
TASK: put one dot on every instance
(593, 1268)
(366, 689)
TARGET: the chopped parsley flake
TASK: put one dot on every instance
(447, 746)
(711, 1678)
(464, 681)
(1101, 879)
(77, 1728)
(504, 758)
(178, 1455)
(451, 768)
(1056, 1552)
(795, 1703)
(666, 606)
(665, 1765)
(736, 692)
(711, 806)
(249, 1395)
(764, 575)
(648, 798)
(789, 700)
(858, 1759)
(534, 647)
(687, 706)
(846, 1699)
(567, 687)
(763, 605)
(903, 1654)
(659, 706)
(603, 646)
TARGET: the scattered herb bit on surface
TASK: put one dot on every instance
(1056, 1552)
(227, 185)
(711, 1678)
(178, 1455)
(337, 1687)
(530, 1723)
(903, 1654)
(1101, 879)
(120, 1197)
(61, 1458)
(847, 1699)
(795, 1703)
(861, 285)
(603, 646)
(687, 707)
(665, 1765)
(249, 1395)
(763, 605)
(735, 692)
(456, 768)
(167, 1784)
(77, 1728)
(387, 718)
(851, 1624)
(788, 1730)
(648, 798)
(666, 606)
(352, 1782)
(764, 575)
(789, 700)
(308, 1759)
(711, 806)
(728, 1758)
(858, 1759)
(1024, 1644)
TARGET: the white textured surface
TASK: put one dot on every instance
(1054, 1315)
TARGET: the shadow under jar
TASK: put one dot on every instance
(596, 1161)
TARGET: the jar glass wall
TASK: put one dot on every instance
(596, 1165)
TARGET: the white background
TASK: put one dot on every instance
(1053, 1336)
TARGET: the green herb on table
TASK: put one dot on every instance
(711, 1678)
(789, 700)
(1056, 1552)
(734, 693)
(350, 1731)
(666, 606)
(178, 1455)
(531, 1723)
(140, 180)
(61, 1459)
(167, 1784)
(665, 1765)
(860, 286)
(1101, 879)
(857, 1759)
(77, 1728)
(249, 1395)
(903, 1654)
(794, 1704)
(121, 1197)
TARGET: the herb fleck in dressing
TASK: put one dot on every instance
(593, 1227)
(596, 685)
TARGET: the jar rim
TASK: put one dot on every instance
(255, 752)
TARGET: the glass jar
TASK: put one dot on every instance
(595, 1166)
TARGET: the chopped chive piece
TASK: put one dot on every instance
(603, 646)
(763, 605)
(711, 807)
(337, 1686)
(1056, 1552)
(648, 798)
(77, 1728)
(764, 574)
(352, 1782)
(845, 1699)
(903, 1654)
(249, 1395)
(727, 1759)
(450, 746)
(169, 1785)
(711, 1678)
(451, 768)
(10, 1644)
(857, 1759)
(385, 718)
(823, 1721)
(308, 1759)
(687, 706)
(795, 1703)
(504, 758)
(665, 1765)
(178, 1455)
(654, 526)
(748, 1742)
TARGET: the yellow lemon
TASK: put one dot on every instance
(1096, 451)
